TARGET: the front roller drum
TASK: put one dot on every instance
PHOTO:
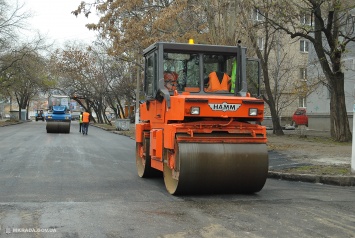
(216, 168)
(58, 127)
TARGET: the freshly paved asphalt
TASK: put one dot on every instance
(87, 186)
(279, 161)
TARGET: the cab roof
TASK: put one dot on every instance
(184, 47)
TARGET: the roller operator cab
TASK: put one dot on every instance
(58, 117)
(200, 120)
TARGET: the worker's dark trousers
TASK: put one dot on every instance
(85, 128)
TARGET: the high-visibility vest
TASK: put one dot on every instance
(86, 116)
(81, 118)
(215, 85)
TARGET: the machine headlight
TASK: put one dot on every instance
(195, 111)
(253, 111)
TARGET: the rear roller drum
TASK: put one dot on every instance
(216, 168)
(143, 160)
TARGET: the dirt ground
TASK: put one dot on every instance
(325, 155)
(312, 149)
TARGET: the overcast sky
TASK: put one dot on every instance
(54, 20)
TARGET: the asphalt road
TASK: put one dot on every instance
(86, 186)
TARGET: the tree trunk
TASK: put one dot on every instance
(339, 123)
(277, 129)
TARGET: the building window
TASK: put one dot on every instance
(303, 74)
(305, 19)
(302, 102)
(261, 43)
(256, 15)
(304, 46)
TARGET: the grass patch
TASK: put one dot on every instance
(320, 170)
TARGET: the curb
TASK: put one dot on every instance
(113, 131)
(310, 178)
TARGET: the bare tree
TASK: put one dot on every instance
(26, 77)
(94, 77)
(278, 62)
(11, 21)
(329, 32)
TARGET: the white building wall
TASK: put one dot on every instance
(318, 102)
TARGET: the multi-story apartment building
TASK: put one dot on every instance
(299, 80)
(288, 66)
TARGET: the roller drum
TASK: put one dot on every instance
(58, 127)
(217, 168)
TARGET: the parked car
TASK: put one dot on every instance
(300, 117)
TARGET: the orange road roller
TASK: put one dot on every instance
(200, 119)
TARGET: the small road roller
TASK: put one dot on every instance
(58, 117)
(200, 120)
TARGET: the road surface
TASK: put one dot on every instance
(70, 185)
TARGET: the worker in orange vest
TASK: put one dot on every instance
(218, 81)
(86, 120)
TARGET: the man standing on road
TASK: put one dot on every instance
(80, 122)
(86, 120)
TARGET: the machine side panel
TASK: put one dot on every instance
(177, 110)
(156, 148)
